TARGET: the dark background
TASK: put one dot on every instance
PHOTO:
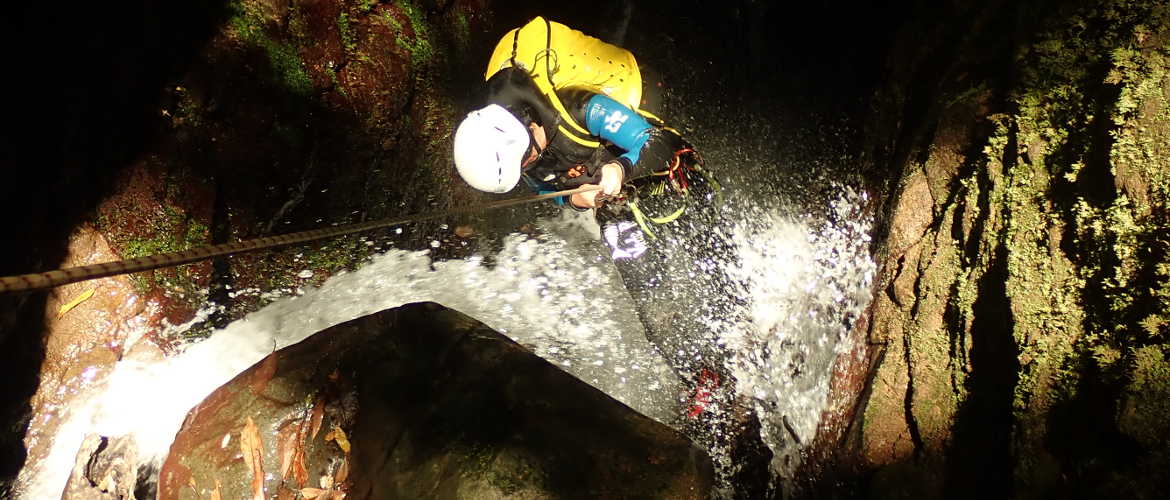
(84, 79)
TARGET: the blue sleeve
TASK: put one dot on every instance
(545, 188)
(612, 121)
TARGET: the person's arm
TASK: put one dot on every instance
(622, 126)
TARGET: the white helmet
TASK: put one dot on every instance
(489, 147)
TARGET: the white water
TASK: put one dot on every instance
(805, 282)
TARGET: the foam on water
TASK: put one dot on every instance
(557, 294)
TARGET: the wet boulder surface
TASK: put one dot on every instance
(421, 402)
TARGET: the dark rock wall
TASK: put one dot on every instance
(1019, 329)
(167, 126)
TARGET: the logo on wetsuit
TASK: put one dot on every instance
(614, 121)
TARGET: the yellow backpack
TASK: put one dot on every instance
(558, 56)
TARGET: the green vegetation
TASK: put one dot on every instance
(347, 36)
(1070, 192)
(287, 69)
(421, 50)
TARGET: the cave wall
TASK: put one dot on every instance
(155, 127)
(1019, 331)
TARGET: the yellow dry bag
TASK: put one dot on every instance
(558, 56)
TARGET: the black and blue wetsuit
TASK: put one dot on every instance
(674, 302)
(626, 136)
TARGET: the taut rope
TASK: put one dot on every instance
(49, 279)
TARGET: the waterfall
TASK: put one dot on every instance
(804, 280)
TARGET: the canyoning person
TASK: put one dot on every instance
(560, 110)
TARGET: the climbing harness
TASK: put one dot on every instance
(675, 182)
(581, 61)
(49, 279)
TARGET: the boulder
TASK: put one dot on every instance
(422, 401)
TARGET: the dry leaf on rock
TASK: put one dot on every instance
(287, 450)
(315, 420)
(75, 302)
(253, 449)
(338, 435)
(299, 470)
(342, 472)
(311, 493)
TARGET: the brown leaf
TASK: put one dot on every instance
(464, 231)
(215, 495)
(342, 472)
(311, 493)
(299, 470)
(288, 450)
(253, 449)
(315, 420)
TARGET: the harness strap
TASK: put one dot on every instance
(675, 173)
(575, 131)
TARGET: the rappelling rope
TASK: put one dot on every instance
(49, 279)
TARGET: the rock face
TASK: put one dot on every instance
(1019, 336)
(423, 402)
(190, 125)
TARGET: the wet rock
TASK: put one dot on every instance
(105, 469)
(422, 401)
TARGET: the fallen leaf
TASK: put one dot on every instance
(215, 495)
(76, 300)
(464, 231)
(338, 435)
(253, 449)
(288, 451)
(299, 470)
(342, 472)
(311, 493)
(315, 420)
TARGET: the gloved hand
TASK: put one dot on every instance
(612, 177)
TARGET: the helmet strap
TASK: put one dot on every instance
(532, 142)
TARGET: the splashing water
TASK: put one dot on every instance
(805, 281)
(808, 281)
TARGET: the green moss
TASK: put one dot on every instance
(329, 69)
(348, 41)
(421, 49)
(1148, 398)
(287, 68)
(462, 29)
